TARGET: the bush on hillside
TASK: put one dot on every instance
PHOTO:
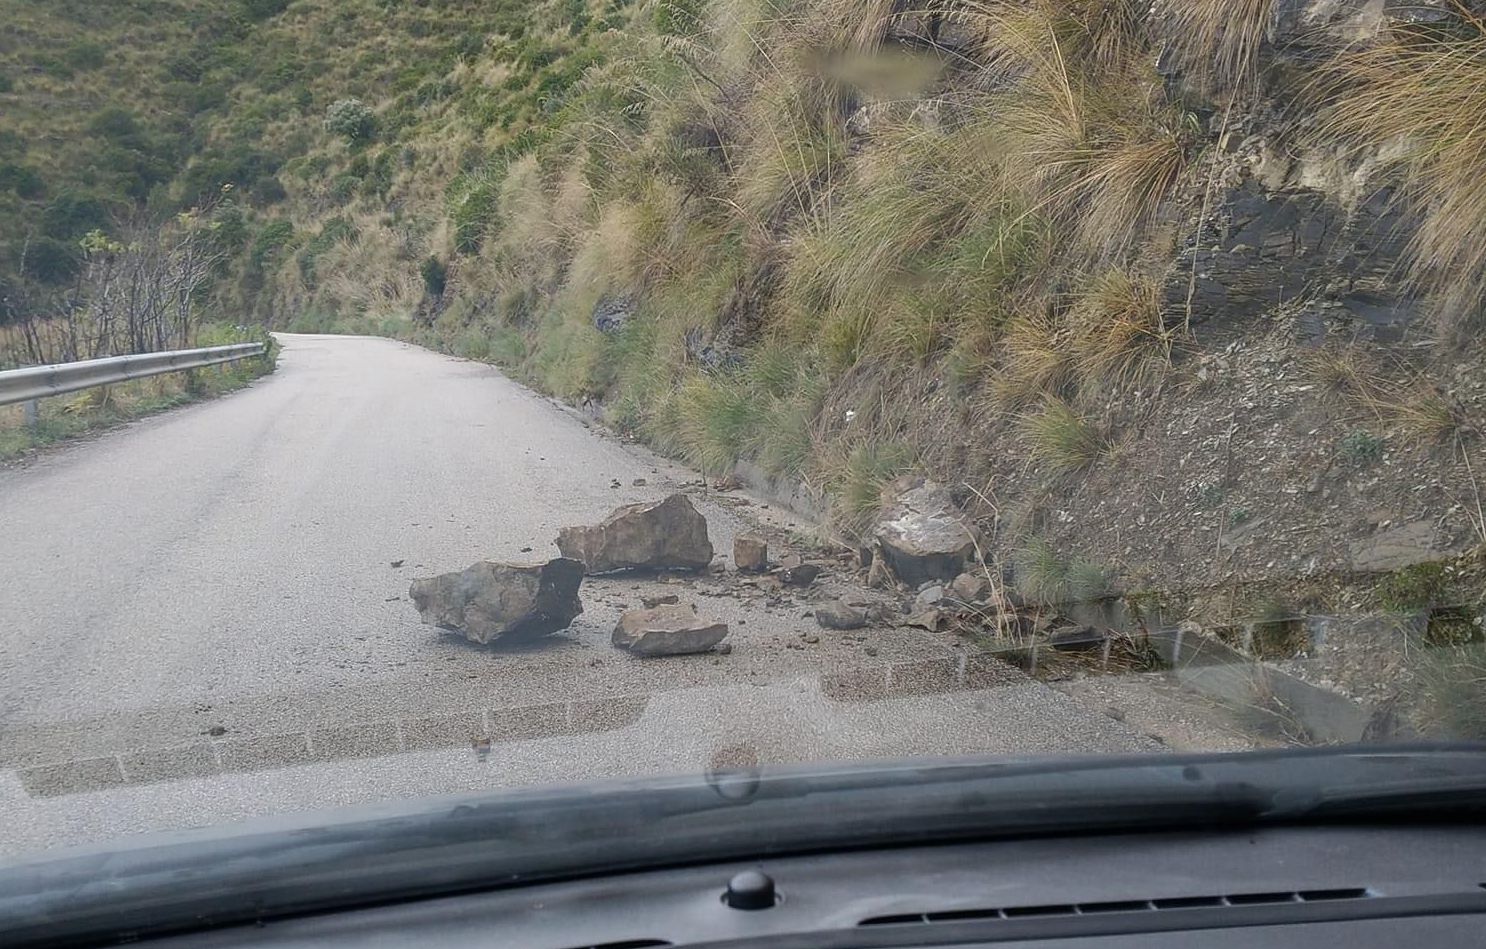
(351, 119)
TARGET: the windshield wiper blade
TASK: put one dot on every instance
(292, 866)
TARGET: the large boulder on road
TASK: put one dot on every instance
(667, 630)
(509, 602)
(921, 538)
(651, 535)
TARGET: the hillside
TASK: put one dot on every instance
(1182, 297)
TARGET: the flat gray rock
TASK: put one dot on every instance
(667, 630)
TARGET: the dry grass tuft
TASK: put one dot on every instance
(1421, 96)
(1036, 359)
(1399, 397)
(1061, 437)
(1116, 327)
(1091, 140)
(1218, 41)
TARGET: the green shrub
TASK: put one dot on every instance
(86, 55)
(351, 119)
(435, 276)
(23, 181)
(1412, 588)
(1361, 447)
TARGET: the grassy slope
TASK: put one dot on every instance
(814, 232)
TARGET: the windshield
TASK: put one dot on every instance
(463, 395)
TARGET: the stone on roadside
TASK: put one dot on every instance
(750, 553)
(929, 597)
(651, 602)
(649, 535)
(667, 630)
(921, 538)
(925, 619)
(492, 601)
(840, 616)
(1076, 639)
(971, 588)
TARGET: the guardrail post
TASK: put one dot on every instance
(33, 413)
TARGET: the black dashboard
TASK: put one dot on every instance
(1352, 886)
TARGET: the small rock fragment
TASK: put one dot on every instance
(664, 599)
(667, 630)
(971, 588)
(802, 575)
(397, 563)
(639, 483)
(750, 553)
(1076, 639)
(925, 619)
(492, 600)
(723, 649)
(928, 597)
(840, 616)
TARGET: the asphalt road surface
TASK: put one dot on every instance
(204, 616)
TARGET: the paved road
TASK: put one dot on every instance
(200, 618)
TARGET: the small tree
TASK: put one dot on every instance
(352, 119)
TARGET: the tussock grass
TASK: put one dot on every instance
(856, 480)
(1036, 354)
(1048, 579)
(1420, 95)
(1117, 333)
(1091, 140)
(1396, 396)
(1219, 42)
(1062, 438)
(1451, 688)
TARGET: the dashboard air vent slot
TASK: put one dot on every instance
(1122, 906)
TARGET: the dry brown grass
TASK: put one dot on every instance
(1035, 358)
(1420, 98)
(1090, 138)
(1117, 332)
(1394, 395)
(1218, 41)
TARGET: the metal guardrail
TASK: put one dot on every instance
(36, 382)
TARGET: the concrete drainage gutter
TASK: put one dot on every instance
(1221, 672)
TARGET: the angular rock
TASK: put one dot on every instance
(1076, 639)
(929, 597)
(750, 553)
(971, 588)
(925, 619)
(667, 630)
(651, 602)
(492, 601)
(921, 538)
(840, 616)
(800, 575)
(651, 534)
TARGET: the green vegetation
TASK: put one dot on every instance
(1046, 578)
